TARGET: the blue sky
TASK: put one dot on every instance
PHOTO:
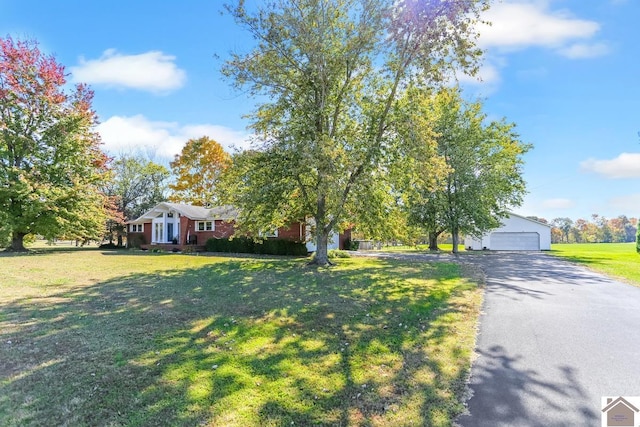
(567, 72)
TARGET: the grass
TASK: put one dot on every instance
(90, 337)
(616, 259)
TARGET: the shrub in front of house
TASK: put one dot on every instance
(238, 245)
(110, 246)
(351, 245)
(244, 245)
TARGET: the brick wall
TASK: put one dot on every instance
(294, 232)
(222, 230)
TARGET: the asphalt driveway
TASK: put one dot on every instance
(554, 337)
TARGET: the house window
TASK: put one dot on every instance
(271, 233)
(137, 228)
(204, 226)
(159, 237)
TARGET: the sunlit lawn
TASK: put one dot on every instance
(616, 259)
(117, 338)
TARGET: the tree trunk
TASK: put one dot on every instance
(119, 239)
(17, 242)
(322, 233)
(433, 241)
(322, 243)
(454, 238)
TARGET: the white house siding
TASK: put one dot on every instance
(164, 228)
(334, 238)
(334, 242)
(517, 233)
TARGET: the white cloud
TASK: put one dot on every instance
(151, 71)
(521, 24)
(558, 204)
(626, 165)
(584, 50)
(629, 204)
(488, 74)
(164, 139)
(518, 25)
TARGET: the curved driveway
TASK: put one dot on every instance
(554, 338)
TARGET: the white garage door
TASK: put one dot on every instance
(515, 241)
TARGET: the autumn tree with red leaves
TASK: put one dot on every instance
(51, 163)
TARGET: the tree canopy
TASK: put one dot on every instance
(197, 170)
(330, 73)
(51, 164)
(482, 177)
(136, 185)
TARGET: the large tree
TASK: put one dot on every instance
(51, 164)
(483, 176)
(197, 170)
(419, 173)
(330, 73)
(136, 185)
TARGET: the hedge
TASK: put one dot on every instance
(110, 246)
(244, 245)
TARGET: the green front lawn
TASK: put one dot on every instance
(616, 259)
(90, 337)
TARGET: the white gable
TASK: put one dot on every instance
(225, 212)
(516, 233)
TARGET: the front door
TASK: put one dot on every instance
(158, 236)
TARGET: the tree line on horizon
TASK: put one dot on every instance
(599, 229)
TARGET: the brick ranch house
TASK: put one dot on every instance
(178, 226)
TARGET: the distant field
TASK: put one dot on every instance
(91, 337)
(616, 259)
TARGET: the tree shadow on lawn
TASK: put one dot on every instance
(254, 342)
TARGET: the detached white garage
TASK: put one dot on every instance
(517, 233)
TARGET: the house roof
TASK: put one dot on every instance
(622, 401)
(529, 219)
(225, 212)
